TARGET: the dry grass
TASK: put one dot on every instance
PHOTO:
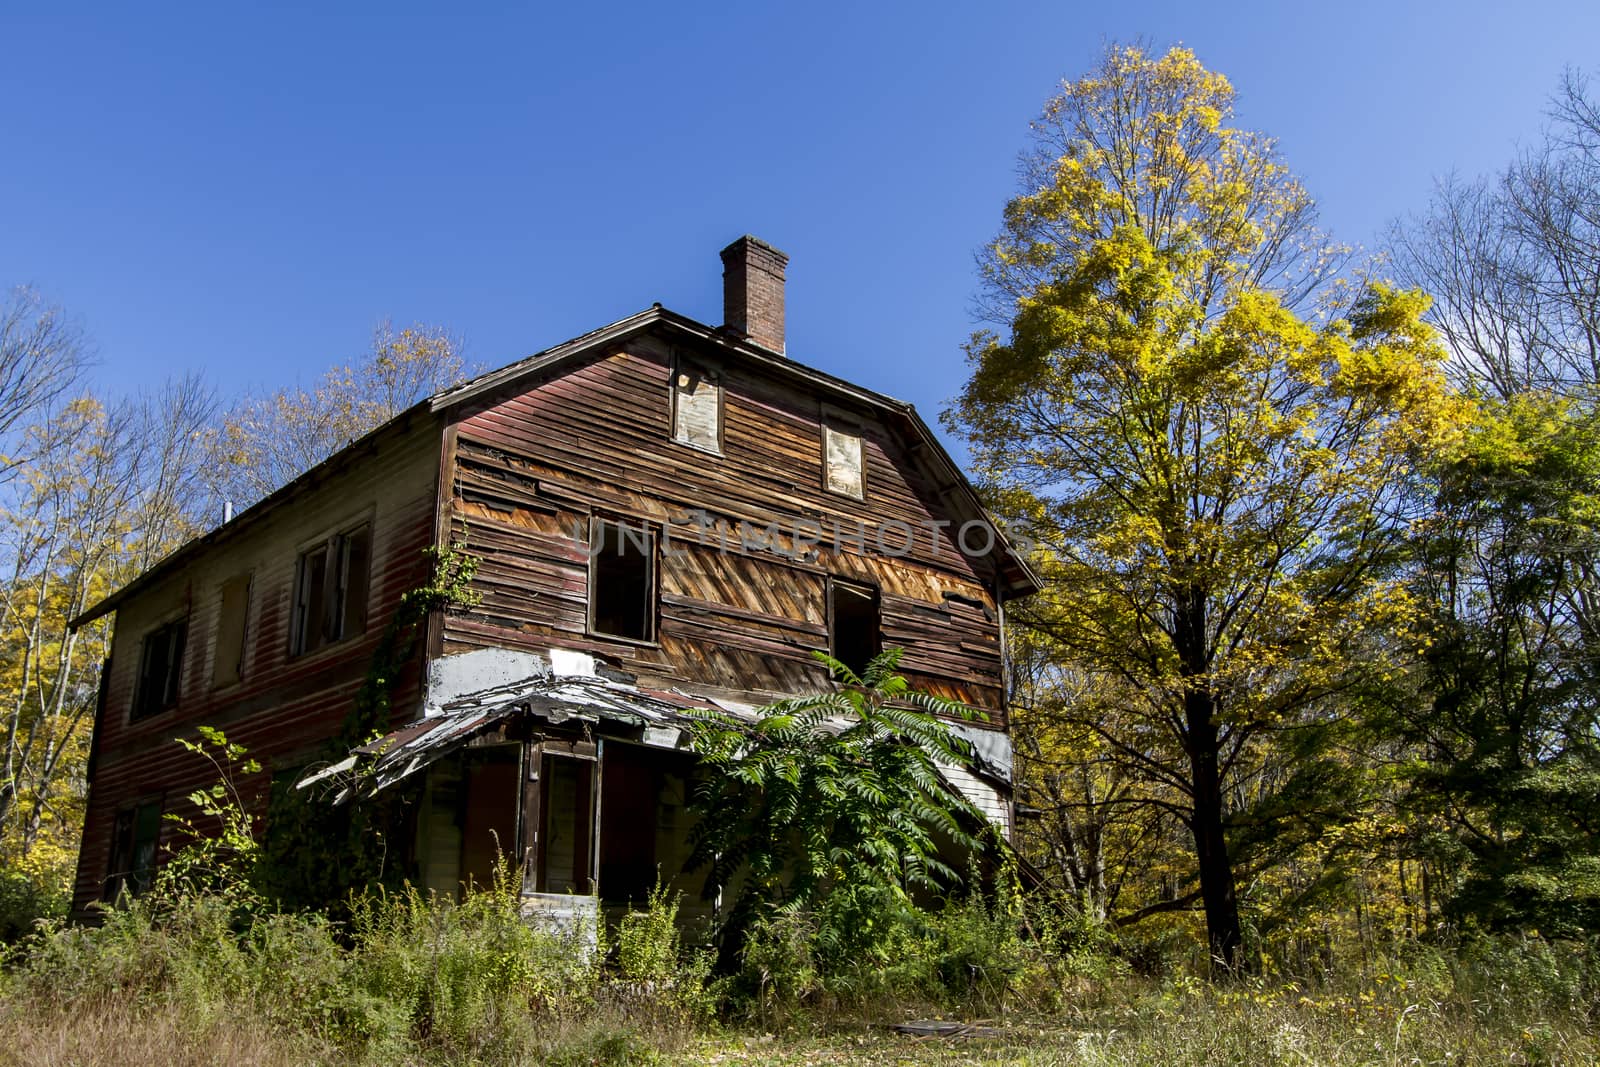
(117, 1034)
(1133, 1023)
(1126, 1026)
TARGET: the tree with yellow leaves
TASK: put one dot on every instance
(1203, 418)
(99, 493)
(266, 441)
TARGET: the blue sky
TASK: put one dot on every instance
(247, 192)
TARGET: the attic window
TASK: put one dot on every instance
(841, 458)
(227, 664)
(622, 559)
(330, 600)
(853, 637)
(696, 408)
(160, 669)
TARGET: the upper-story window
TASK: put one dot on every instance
(696, 407)
(233, 608)
(330, 590)
(622, 581)
(853, 631)
(843, 469)
(160, 668)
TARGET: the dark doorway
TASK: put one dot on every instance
(628, 807)
(622, 580)
(853, 624)
(566, 815)
(489, 823)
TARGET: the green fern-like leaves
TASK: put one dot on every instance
(833, 791)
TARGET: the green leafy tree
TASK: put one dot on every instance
(1501, 726)
(1204, 425)
(218, 855)
(832, 799)
(1506, 728)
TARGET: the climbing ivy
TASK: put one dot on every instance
(315, 854)
(452, 569)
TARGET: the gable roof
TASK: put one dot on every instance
(952, 485)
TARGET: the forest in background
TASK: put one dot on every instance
(1310, 690)
(94, 489)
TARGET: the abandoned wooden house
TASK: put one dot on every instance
(667, 516)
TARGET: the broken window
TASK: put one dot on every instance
(330, 600)
(227, 664)
(697, 408)
(160, 669)
(622, 580)
(134, 837)
(852, 624)
(842, 459)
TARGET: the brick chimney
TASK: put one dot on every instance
(752, 291)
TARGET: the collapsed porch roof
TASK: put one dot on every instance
(552, 698)
(663, 714)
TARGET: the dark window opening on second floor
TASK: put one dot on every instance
(330, 602)
(160, 669)
(622, 601)
(853, 637)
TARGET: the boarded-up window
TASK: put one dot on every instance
(622, 580)
(852, 624)
(842, 458)
(697, 408)
(227, 664)
(160, 669)
(331, 590)
(135, 835)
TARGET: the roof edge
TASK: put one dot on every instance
(487, 383)
(248, 516)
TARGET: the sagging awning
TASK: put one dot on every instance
(554, 699)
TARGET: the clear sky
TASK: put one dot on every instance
(247, 192)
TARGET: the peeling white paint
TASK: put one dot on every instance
(985, 797)
(571, 664)
(992, 746)
(570, 916)
(450, 677)
(663, 736)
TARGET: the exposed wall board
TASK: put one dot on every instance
(747, 538)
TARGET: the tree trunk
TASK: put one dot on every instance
(1217, 893)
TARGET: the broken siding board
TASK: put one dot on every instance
(594, 440)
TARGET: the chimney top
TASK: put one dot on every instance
(752, 291)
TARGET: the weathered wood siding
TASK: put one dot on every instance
(530, 469)
(282, 708)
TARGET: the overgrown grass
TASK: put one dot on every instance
(416, 979)
(412, 978)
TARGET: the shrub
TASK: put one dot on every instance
(30, 894)
(658, 982)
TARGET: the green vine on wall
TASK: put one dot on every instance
(315, 854)
(451, 569)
